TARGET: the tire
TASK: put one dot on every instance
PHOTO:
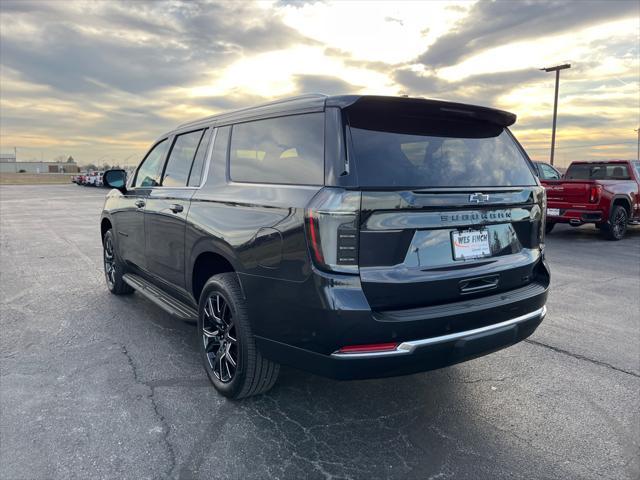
(225, 338)
(548, 227)
(113, 267)
(617, 227)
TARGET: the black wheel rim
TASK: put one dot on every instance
(109, 262)
(619, 222)
(219, 338)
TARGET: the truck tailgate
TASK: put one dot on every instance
(568, 191)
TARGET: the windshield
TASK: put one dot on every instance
(597, 171)
(424, 152)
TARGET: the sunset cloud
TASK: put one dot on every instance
(104, 79)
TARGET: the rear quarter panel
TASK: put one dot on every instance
(258, 228)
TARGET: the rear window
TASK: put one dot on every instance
(279, 150)
(424, 152)
(597, 171)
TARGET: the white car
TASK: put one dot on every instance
(92, 179)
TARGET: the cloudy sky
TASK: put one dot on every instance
(101, 80)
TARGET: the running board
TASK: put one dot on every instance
(160, 298)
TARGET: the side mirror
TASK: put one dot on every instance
(115, 179)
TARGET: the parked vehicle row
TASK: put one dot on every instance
(605, 193)
(92, 179)
(350, 236)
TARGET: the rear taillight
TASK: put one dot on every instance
(331, 220)
(543, 218)
(594, 193)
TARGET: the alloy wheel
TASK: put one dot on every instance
(619, 223)
(219, 338)
(109, 262)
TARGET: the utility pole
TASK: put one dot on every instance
(556, 69)
(638, 155)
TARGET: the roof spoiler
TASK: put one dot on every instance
(422, 107)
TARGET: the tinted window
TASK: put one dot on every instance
(180, 159)
(198, 163)
(597, 171)
(420, 152)
(151, 168)
(279, 150)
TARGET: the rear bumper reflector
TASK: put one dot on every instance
(408, 347)
(371, 348)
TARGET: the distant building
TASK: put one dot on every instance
(12, 166)
(7, 157)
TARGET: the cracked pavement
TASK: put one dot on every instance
(98, 386)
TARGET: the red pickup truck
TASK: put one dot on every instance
(605, 193)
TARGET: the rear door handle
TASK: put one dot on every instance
(139, 203)
(176, 208)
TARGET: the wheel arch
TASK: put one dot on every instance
(105, 224)
(207, 263)
(622, 201)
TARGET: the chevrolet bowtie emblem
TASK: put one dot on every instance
(478, 197)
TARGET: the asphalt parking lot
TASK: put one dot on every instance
(98, 386)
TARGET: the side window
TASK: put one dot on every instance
(636, 167)
(198, 163)
(219, 154)
(548, 173)
(618, 172)
(279, 150)
(151, 168)
(180, 159)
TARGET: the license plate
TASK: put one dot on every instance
(553, 212)
(470, 244)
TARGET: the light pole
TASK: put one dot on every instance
(556, 69)
(638, 154)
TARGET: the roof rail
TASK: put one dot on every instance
(267, 104)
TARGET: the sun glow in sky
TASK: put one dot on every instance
(102, 80)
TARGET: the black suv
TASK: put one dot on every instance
(350, 236)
